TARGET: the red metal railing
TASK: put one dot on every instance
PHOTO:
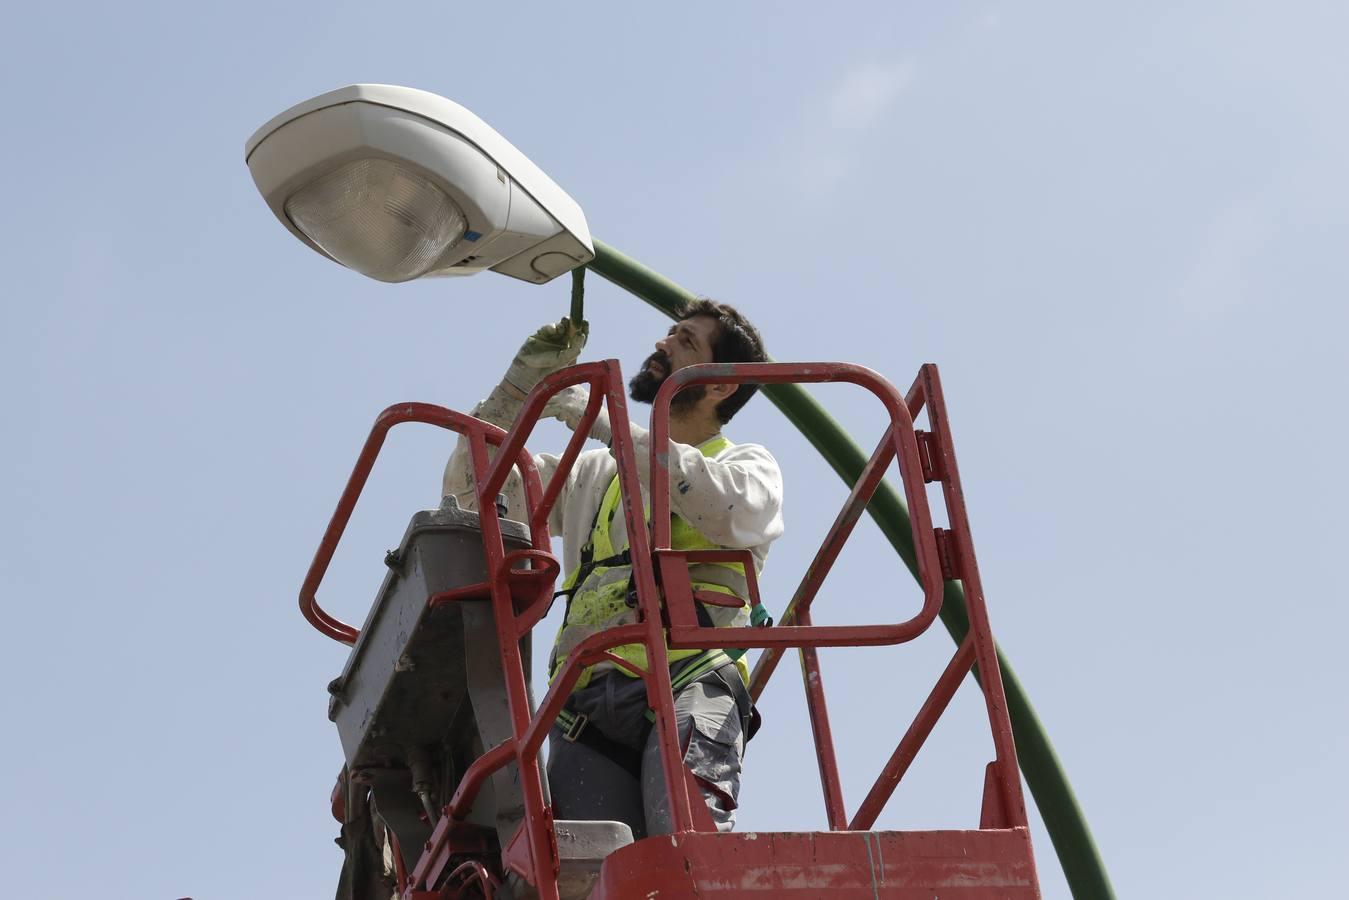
(923, 457)
(536, 859)
(479, 433)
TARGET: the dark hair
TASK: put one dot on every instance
(737, 341)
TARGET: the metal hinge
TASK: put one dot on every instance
(948, 554)
(929, 456)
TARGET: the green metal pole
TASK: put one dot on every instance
(1081, 861)
(578, 295)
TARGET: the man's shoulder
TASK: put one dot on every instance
(747, 451)
(596, 461)
(591, 466)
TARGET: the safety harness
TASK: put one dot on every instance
(709, 663)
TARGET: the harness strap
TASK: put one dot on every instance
(575, 728)
(582, 572)
(730, 577)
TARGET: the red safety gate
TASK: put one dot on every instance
(849, 860)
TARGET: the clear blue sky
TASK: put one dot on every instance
(1121, 233)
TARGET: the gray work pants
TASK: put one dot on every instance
(587, 784)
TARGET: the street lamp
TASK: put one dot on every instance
(398, 183)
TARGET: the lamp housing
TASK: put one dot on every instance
(398, 184)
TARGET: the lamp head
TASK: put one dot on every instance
(398, 183)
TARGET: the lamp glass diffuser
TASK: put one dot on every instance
(380, 218)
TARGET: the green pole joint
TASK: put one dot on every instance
(1081, 861)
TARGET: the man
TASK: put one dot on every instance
(603, 758)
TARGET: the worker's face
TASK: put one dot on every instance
(688, 343)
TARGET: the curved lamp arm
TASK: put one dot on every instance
(1081, 861)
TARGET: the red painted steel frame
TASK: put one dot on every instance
(540, 865)
(934, 460)
(926, 390)
(478, 432)
(900, 441)
(922, 458)
(868, 865)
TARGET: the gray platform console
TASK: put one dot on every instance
(423, 694)
(423, 689)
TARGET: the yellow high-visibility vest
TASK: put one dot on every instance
(600, 602)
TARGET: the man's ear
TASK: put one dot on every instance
(722, 391)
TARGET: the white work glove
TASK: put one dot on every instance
(569, 404)
(554, 346)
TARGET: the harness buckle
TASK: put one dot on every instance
(577, 726)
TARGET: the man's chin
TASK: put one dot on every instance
(642, 388)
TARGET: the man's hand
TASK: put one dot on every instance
(552, 347)
(569, 404)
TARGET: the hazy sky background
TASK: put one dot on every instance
(1120, 231)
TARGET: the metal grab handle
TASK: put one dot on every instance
(538, 581)
(899, 441)
(716, 598)
(478, 432)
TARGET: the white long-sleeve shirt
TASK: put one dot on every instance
(734, 498)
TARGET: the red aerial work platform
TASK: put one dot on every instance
(460, 858)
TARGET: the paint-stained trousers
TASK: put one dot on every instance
(588, 784)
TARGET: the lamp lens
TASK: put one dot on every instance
(379, 218)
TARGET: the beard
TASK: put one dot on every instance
(643, 386)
